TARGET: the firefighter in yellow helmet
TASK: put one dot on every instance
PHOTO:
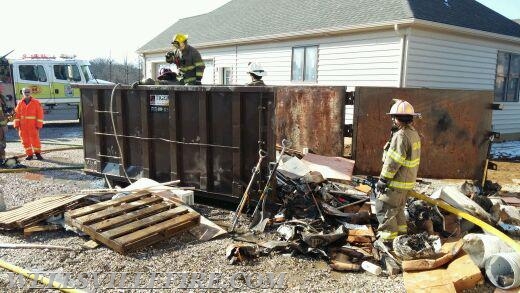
(188, 60)
(401, 158)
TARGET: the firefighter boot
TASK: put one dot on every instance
(29, 157)
(39, 157)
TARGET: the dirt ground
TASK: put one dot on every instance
(506, 173)
(182, 253)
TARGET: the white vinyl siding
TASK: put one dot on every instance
(438, 60)
(439, 63)
(369, 59)
(362, 60)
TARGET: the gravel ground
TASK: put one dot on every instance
(182, 253)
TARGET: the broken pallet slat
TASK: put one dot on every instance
(24, 209)
(159, 236)
(133, 221)
(37, 211)
(129, 217)
(143, 223)
(116, 211)
(102, 205)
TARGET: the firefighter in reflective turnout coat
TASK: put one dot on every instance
(188, 60)
(29, 120)
(401, 160)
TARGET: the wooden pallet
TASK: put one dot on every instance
(132, 222)
(38, 210)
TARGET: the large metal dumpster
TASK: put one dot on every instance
(208, 137)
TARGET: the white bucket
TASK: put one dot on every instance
(503, 270)
(480, 247)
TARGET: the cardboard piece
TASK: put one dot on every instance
(434, 281)
(449, 251)
(464, 273)
(330, 167)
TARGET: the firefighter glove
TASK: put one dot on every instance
(381, 185)
(170, 57)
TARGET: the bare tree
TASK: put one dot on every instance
(108, 69)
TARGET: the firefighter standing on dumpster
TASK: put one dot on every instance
(256, 71)
(29, 120)
(188, 60)
(401, 160)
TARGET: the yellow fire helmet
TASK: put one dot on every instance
(179, 38)
(401, 107)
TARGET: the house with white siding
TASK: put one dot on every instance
(449, 44)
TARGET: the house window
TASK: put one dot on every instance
(305, 64)
(507, 82)
(226, 75)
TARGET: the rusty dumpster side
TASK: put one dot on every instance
(208, 137)
(454, 128)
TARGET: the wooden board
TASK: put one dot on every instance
(132, 222)
(38, 210)
(454, 130)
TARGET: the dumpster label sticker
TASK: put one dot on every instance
(159, 103)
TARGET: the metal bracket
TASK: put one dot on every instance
(492, 135)
(492, 166)
(497, 106)
(349, 98)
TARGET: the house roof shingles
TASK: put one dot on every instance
(240, 19)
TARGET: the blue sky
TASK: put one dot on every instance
(508, 8)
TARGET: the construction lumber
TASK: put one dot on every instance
(28, 231)
(133, 221)
(38, 210)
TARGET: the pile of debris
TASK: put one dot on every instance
(310, 205)
(317, 207)
(124, 220)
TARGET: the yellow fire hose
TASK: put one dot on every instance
(513, 244)
(41, 279)
(39, 169)
(49, 142)
(53, 150)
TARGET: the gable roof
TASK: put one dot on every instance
(248, 19)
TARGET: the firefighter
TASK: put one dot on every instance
(256, 71)
(29, 120)
(188, 60)
(4, 119)
(167, 77)
(401, 158)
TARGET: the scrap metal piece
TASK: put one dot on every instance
(239, 252)
(418, 246)
(316, 240)
(288, 232)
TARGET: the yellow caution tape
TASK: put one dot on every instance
(513, 244)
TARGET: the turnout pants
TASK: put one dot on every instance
(3, 143)
(390, 213)
(30, 137)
